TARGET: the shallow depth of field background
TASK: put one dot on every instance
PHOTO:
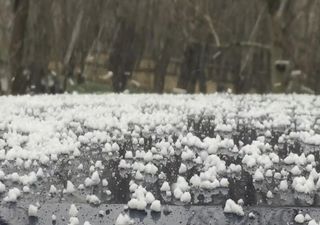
(181, 46)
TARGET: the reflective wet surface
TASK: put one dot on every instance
(206, 206)
(177, 150)
(196, 215)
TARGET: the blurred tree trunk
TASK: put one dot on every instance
(161, 66)
(39, 44)
(199, 30)
(277, 51)
(91, 30)
(19, 81)
(128, 43)
(163, 36)
(69, 58)
(193, 68)
(239, 78)
(202, 64)
(279, 39)
(197, 73)
(186, 68)
(120, 61)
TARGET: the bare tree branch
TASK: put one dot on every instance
(252, 37)
(74, 37)
(213, 31)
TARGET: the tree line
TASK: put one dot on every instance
(283, 35)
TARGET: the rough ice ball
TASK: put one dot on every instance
(73, 211)
(32, 211)
(74, 221)
(269, 194)
(182, 169)
(52, 189)
(232, 207)
(156, 206)
(312, 222)
(139, 204)
(104, 182)
(2, 187)
(307, 217)
(252, 215)
(70, 187)
(299, 218)
(13, 195)
(185, 197)
(165, 186)
(95, 178)
(115, 147)
(93, 199)
(149, 197)
(123, 219)
(26, 189)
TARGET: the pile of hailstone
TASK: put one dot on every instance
(183, 149)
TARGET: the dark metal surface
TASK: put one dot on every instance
(175, 215)
(204, 208)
